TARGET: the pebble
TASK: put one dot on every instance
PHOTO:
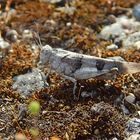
(136, 12)
(30, 82)
(112, 47)
(11, 35)
(130, 98)
(132, 126)
(113, 30)
(22, 111)
(51, 1)
(131, 39)
(27, 34)
(67, 10)
(137, 45)
(84, 94)
(4, 47)
(124, 110)
(4, 44)
(137, 93)
(124, 32)
(134, 137)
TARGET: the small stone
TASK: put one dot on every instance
(22, 111)
(68, 24)
(114, 30)
(137, 93)
(96, 132)
(27, 34)
(134, 137)
(84, 94)
(114, 139)
(137, 45)
(20, 136)
(51, 1)
(11, 35)
(136, 12)
(30, 82)
(132, 126)
(112, 47)
(138, 113)
(129, 102)
(125, 110)
(111, 19)
(130, 98)
(131, 39)
(4, 44)
(70, 10)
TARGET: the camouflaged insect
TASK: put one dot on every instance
(75, 66)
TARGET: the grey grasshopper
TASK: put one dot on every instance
(75, 66)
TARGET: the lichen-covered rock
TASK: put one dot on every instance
(28, 83)
(131, 39)
(132, 126)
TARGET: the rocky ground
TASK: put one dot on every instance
(105, 109)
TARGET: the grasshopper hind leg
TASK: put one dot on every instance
(75, 85)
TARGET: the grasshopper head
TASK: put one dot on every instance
(45, 53)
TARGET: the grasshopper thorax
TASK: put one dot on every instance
(45, 54)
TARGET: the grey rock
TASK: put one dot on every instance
(12, 35)
(84, 94)
(131, 39)
(130, 98)
(124, 110)
(30, 82)
(125, 31)
(112, 31)
(136, 12)
(132, 126)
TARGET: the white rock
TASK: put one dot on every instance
(27, 34)
(112, 47)
(134, 137)
(131, 39)
(137, 45)
(4, 44)
(67, 10)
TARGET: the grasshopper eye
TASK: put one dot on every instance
(100, 64)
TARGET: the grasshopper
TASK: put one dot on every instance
(75, 66)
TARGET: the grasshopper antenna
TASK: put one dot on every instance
(37, 37)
